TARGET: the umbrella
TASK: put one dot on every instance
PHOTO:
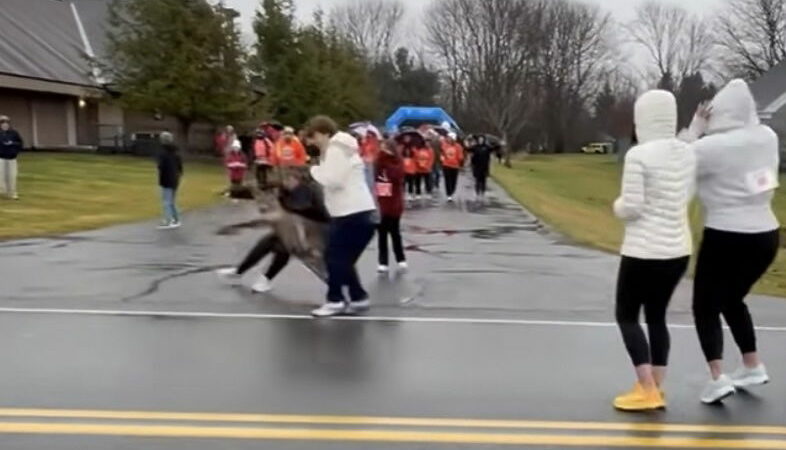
(416, 138)
(364, 128)
(442, 131)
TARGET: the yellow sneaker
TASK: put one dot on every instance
(640, 399)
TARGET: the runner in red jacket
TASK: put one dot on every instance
(389, 189)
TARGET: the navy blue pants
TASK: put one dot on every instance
(349, 236)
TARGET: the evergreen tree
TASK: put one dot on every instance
(177, 57)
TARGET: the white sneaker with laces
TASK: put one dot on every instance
(262, 285)
(229, 275)
(403, 266)
(359, 306)
(330, 309)
(717, 390)
(383, 269)
(745, 377)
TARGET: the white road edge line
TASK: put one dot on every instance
(454, 320)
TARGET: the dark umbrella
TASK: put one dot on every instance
(415, 139)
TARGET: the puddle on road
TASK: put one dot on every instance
(490, 233)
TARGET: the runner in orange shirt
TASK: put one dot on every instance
(289, 151)
(410, 171)
(424, 157)
(452, 160)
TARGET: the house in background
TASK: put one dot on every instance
(52, 91)
(770, 94)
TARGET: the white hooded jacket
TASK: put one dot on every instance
(342, 174)
(737, 164)
(657, 184)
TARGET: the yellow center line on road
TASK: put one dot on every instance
(388, 421)
(381, 436)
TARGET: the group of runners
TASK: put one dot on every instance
(307, 188)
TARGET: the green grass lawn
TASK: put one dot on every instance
(63, 193)
(574, 194)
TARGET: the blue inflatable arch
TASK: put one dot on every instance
(414, 116)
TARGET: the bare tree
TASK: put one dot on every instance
(511, 65)
(752, 34)
(574, 65)
(371, 25)
(677, 43)
(487, 53)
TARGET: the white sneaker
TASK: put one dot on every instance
(175, 225)
(450, 199)
(330, 309)
(262, 285)
(383, 269)
(165, 226)
(745, 377)
(403, 266)
(359, 306)
(14, 196)
(229, 275)
(717, 390)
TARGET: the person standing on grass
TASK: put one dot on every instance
(263, 158)
(351, 206)
(10, 146)
(657, 186)
(738, 165)
(452, 161)
(170, 170)
(389, 189)
(236, 165)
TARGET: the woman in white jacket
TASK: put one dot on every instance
(737, 177)
(348, 199)
(657, 186)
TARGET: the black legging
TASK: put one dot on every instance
(426, 181)
(390, 226)
(728, 266)
(269, 243)
(263, 176)
(451, 180)
(649, 283)
(413, 184)
(480, 183)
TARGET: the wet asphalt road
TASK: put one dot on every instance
(499, 319)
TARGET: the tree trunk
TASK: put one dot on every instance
(506, 151)
(185, 133)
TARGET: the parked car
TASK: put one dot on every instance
(601, 148)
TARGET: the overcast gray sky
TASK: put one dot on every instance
(622, 9)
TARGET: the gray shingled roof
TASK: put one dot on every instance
(770, 86)
(41, 39)
(94, 15)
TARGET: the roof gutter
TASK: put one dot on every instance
(96, 72)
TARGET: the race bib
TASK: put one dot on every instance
(762, 180)
(384, 189)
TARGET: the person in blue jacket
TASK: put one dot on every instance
(10, 146)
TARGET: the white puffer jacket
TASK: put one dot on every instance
(342, 174)
(657, 184)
